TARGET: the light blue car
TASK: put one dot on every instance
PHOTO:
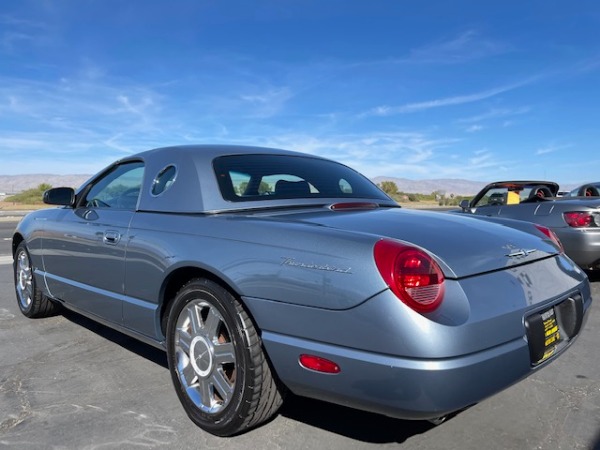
(261, 271)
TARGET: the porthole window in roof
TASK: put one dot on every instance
(164, 180)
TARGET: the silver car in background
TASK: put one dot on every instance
(261, 271)
(586, 190)
(574, 219)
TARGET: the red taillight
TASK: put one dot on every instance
(318, 364)
(411, 274)
(551, 235)
(578, 219)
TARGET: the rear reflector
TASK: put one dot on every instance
(319, 364)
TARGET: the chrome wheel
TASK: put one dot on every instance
(217, 364)
(24, 279)
(31, 300)
(205, 356)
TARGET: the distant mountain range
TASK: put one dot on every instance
(445, 186)
(12, 184)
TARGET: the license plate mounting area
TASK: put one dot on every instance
(550, 329)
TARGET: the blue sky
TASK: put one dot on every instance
(432, 89)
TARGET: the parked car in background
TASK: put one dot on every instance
(586, 190)
(261, 271)
(575, 220)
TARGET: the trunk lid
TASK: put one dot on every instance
(463, 245)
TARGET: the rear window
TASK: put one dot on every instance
(274, 177)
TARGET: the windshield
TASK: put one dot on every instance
(513, 194)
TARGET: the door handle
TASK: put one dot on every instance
(111, 237)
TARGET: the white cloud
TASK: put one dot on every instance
(496, 113)
(387, 110)
(17, 33)
(466, 46)
(268, 102)
(474, 128)
(481, 159)
(551, 149)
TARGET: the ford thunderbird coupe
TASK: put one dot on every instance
(575, 218)
(263, 271)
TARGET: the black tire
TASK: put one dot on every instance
(217, 364)
(32, 302)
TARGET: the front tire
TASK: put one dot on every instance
(217, 364)
(32, 302)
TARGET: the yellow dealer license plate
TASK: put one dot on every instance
(551, 334)
(544, 335)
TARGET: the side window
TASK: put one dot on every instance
(240, 182)
(287, 185)
(164, 180)
(345, 187)
(493, 197)
(120, 188)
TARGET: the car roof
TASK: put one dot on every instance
(196, 188)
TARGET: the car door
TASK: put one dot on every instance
(85, 247)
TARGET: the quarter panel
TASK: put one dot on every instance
(287, 262)
(522, 211)
(581, 244)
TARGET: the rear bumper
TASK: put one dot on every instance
(582, 245)
(404, 388)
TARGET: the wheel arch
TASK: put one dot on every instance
(178, 278)
(16, 240)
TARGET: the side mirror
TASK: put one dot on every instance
(60, 196)
(464, 204)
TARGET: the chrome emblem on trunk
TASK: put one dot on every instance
(521, 253)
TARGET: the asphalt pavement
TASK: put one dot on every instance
(69, 383)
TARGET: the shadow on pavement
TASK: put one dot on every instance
(593, 275)
(348, 422)
(352, 423)
(596, 442)
(146, 351)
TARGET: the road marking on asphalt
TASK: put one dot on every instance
(6, 259)
(5, 314)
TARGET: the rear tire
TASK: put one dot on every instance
(32, 302)
(217, 364)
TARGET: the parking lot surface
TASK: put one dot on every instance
(69, 383)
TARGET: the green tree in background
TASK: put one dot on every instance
(30, 196)
(262, 188)
(389, 187)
